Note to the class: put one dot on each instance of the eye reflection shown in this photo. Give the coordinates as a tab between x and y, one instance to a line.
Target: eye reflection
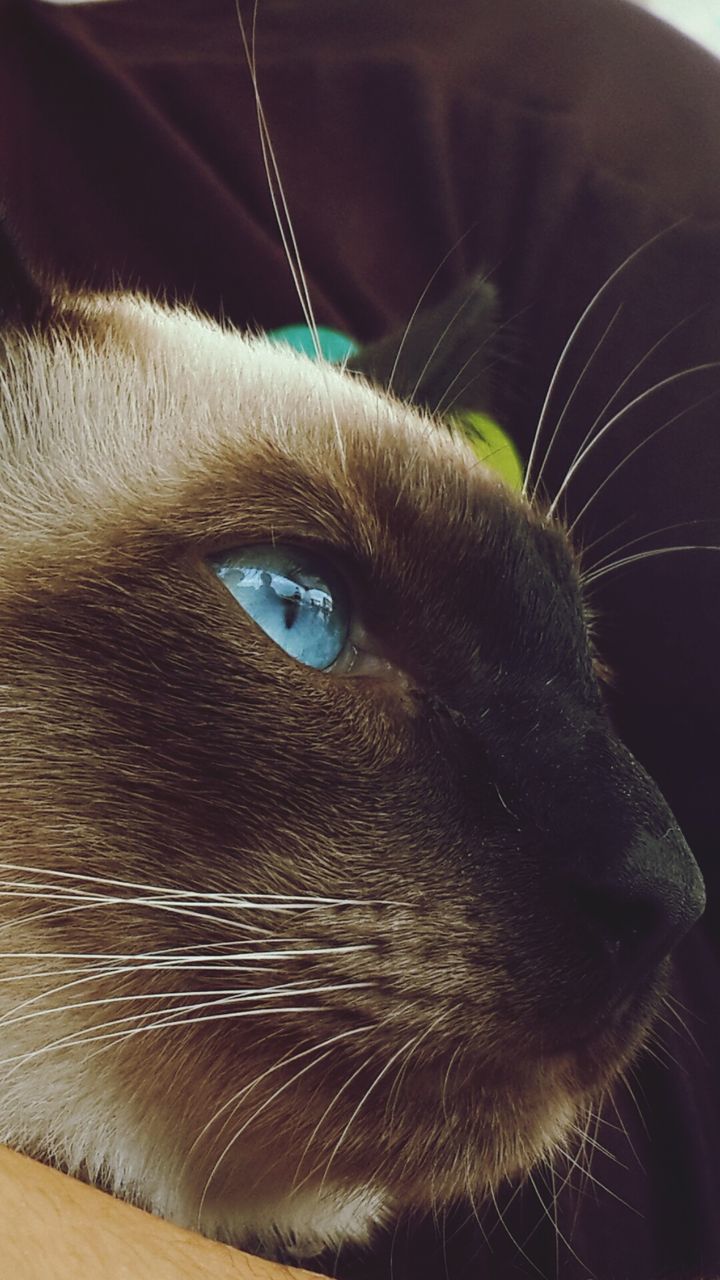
289	595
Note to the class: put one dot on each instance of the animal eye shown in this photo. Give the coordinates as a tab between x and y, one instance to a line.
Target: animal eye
293	595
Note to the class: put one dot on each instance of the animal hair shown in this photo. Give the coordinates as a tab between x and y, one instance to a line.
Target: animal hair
284	951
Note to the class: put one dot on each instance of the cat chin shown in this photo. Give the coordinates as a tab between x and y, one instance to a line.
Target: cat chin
290	1228
135	1159
305	1225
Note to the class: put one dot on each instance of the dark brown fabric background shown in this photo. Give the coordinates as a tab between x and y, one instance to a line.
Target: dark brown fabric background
544	140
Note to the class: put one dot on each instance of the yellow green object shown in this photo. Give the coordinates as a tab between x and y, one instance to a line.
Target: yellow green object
493	446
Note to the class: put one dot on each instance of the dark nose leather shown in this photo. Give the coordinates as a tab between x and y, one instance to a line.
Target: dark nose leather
618	875
640	903
613	850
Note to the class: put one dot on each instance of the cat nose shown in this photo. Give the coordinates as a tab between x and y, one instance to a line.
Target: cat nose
641	903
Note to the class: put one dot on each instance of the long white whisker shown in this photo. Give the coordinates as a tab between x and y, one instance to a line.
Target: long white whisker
267	1103
628	378
410	1045
413	316
681	1022
297	1186
279	954
586	548
645	555
162	963
636	449
168	908
568	402
232	1103
633	542
639	399
274	182
438	343
551	1213
446	406
66	911
223	996
76	1039
99	974
559	367
624	1131
501	1219
167	891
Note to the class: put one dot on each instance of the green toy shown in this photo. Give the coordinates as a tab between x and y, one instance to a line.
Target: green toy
493	446
334	346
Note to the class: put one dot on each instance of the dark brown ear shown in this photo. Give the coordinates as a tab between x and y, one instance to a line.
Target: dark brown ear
23	301
441	360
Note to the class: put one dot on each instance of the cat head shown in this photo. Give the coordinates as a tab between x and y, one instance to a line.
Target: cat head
327	884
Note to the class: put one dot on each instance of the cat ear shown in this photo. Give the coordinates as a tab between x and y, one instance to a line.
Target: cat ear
23	301
442	358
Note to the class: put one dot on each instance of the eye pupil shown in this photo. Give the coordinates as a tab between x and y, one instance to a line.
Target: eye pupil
289	595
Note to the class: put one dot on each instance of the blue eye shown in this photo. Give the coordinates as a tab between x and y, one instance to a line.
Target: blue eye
288	593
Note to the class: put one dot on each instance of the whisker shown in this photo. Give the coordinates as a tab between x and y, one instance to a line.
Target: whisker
595	1145
674	1012
550	1212
631	454
444	406
99	974
297	1186
232	1103
566	407
172	1010
275	186
646	555
619	389
77	1039
623	1128
582	1161
617	417
587	547
161	961
613	1194
293	988
151	904
410	1046
664	1062
592	304
625	1082
94	902
643	537
169	891
284	219
513	1239
413	316
267	1103
438	343
286	954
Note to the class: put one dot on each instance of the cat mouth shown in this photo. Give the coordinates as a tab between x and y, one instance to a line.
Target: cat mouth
597	1051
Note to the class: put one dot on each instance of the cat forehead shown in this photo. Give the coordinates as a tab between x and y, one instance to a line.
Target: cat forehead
154	417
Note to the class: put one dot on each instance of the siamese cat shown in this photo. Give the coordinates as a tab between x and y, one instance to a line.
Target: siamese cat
327	888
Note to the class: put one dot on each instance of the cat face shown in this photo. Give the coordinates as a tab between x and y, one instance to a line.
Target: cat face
287	943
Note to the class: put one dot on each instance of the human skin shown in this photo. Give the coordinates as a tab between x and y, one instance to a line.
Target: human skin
54	1226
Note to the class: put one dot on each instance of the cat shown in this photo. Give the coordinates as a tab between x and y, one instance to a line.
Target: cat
328	889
